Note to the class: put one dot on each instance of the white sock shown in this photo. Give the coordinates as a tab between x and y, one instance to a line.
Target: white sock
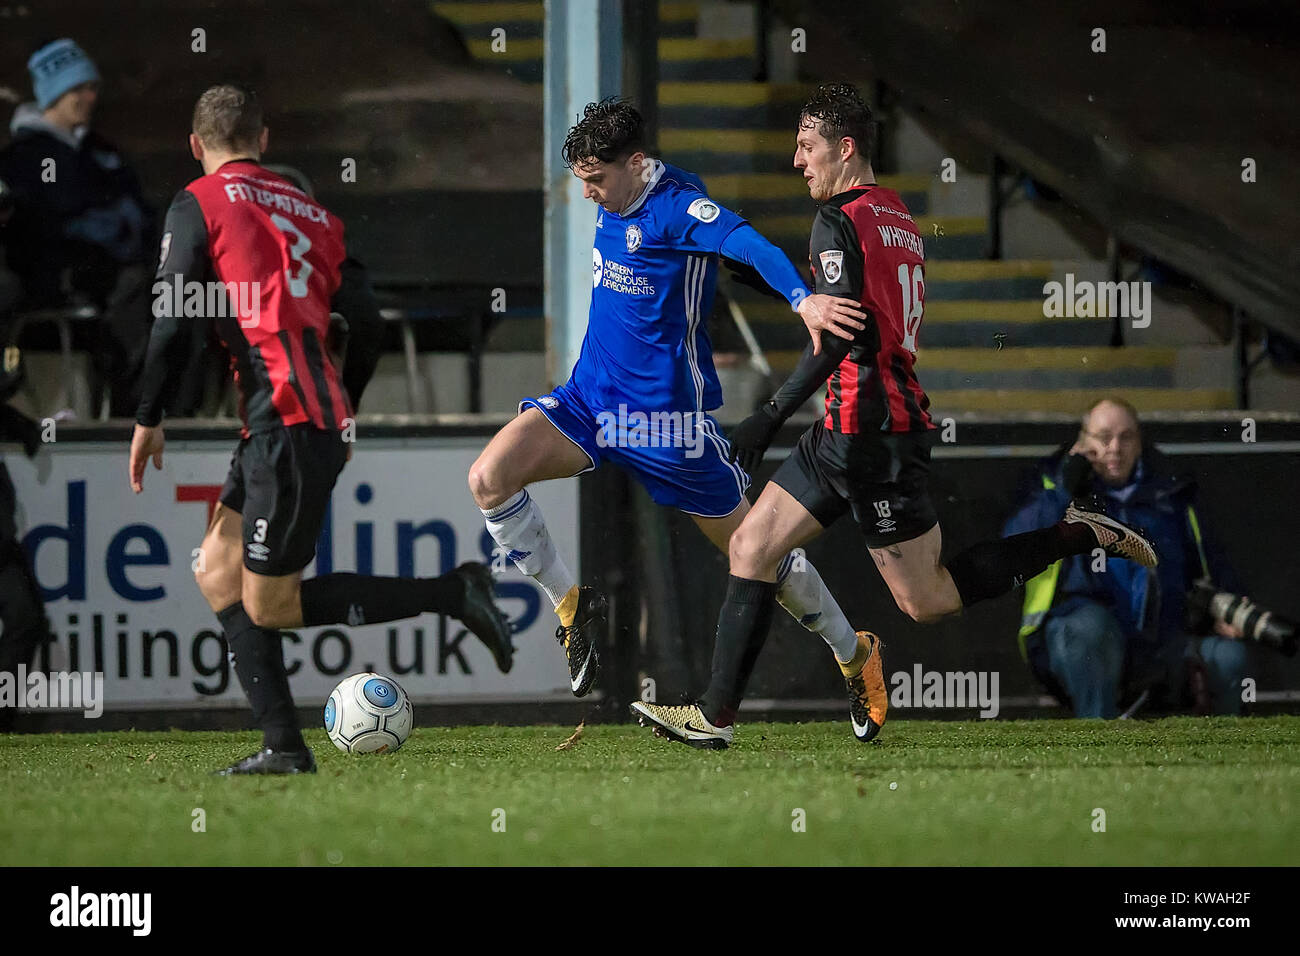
517	528
801	591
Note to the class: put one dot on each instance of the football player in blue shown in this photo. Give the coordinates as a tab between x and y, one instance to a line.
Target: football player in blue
644	383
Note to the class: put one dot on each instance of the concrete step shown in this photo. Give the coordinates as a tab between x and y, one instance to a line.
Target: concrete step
1074	401
734	103
780	200
938	232
777	143
987	279
681	58
491	14
1037	369
528	18
947	324
791	185
734	94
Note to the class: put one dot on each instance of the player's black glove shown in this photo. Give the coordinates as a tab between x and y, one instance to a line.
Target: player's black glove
745	274
1076	475
749	439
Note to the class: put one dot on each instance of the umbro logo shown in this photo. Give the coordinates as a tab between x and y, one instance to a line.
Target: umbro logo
356	616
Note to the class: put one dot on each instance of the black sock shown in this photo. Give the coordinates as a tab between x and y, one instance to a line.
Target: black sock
259	665
991	568
743	624
357	599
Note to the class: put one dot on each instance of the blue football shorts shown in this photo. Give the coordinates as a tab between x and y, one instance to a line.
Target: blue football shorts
680	458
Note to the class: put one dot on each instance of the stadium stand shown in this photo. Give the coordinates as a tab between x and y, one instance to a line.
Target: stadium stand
995	236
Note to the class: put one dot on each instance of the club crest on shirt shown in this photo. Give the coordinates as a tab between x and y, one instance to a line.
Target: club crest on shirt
633	237
832	265
165	248
705	210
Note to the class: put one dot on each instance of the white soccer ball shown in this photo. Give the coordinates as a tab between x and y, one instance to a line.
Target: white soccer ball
368	713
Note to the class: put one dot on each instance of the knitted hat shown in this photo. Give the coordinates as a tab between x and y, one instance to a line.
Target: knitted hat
58	67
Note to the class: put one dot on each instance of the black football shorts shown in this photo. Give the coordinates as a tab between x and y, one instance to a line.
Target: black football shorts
882	477
280	481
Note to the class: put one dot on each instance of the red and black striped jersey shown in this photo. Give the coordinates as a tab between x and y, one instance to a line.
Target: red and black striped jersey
865	246
277	256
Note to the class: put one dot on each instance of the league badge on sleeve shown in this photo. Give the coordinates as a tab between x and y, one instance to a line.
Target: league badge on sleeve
832	265
633	236
705	210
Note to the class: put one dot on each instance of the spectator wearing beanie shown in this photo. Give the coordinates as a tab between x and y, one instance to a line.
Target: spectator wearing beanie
80	223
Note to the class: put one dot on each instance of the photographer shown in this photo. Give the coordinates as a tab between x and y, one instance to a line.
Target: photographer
1103	634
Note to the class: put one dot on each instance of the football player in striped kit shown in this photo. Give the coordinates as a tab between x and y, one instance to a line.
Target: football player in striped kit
274	259
870	453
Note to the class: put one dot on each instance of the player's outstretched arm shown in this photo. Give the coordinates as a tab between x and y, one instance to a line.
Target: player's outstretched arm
837	270
751	438
838	315
746	245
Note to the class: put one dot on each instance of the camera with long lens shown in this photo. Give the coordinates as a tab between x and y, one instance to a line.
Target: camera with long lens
1207	604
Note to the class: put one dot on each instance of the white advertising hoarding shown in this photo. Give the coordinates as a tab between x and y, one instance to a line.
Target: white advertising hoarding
116	571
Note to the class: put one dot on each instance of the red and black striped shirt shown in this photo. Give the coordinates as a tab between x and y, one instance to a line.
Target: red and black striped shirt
277	256
865	246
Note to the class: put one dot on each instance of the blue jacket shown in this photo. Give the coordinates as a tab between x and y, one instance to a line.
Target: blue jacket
1151	608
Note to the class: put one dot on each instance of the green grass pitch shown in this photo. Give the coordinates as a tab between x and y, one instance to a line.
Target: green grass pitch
1181	791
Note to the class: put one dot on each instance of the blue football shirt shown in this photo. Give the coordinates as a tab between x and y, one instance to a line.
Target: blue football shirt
654	272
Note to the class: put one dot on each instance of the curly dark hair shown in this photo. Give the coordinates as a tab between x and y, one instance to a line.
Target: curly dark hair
608	130
837	111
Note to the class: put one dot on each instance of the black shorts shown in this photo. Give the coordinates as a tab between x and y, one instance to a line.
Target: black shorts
280	482
882	477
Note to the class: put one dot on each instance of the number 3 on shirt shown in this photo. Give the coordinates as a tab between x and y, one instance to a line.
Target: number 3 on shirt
913	283
298	249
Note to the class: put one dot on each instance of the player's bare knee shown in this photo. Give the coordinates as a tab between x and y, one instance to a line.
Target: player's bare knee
263	611
748	552
255	609
486	483
218	582
922	610
217	586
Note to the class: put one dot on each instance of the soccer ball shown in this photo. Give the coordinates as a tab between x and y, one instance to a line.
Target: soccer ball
368	713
